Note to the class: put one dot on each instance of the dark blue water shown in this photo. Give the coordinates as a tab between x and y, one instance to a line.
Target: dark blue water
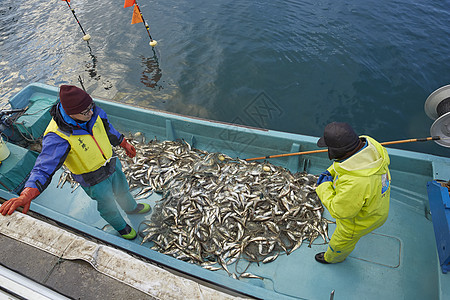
285	65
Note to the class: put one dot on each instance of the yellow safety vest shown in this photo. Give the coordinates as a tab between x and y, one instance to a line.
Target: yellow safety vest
87	152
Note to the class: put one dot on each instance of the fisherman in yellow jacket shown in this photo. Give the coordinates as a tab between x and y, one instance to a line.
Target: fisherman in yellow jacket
355	188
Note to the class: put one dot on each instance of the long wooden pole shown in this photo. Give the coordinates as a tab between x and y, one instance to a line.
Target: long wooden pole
431	138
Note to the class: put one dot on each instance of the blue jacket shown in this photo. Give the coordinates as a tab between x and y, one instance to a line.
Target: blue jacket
55	150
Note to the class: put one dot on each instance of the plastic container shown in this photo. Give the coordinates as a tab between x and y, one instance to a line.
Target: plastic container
4	151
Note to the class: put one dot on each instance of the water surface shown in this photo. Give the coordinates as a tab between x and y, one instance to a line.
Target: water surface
285	65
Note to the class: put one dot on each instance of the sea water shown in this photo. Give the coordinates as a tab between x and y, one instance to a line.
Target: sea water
284	65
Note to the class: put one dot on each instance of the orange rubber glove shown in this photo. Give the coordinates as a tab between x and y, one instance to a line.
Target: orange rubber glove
24	200
129	149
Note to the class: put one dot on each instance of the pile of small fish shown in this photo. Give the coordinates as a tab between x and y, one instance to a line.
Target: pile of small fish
217	210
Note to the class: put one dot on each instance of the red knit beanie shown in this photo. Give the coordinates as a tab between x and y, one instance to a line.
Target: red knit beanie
74	100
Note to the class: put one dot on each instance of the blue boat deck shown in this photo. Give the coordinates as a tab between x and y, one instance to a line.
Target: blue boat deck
397	261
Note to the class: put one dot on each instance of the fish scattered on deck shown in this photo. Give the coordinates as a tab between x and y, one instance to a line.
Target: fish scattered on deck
216	211
66	176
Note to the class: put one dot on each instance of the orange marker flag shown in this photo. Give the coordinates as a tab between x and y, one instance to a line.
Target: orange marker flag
66	0
128	3
137	18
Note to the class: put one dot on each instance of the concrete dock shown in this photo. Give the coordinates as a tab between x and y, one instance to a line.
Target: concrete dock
74	266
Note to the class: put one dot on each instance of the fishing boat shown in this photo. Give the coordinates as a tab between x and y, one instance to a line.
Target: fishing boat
406	258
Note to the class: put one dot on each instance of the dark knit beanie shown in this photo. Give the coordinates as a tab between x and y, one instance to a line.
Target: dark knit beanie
340	138
73	99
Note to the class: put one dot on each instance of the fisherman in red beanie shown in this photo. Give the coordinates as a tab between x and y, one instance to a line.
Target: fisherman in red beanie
81	137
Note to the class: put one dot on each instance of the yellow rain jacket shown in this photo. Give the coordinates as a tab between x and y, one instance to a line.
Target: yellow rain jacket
358	197
88	152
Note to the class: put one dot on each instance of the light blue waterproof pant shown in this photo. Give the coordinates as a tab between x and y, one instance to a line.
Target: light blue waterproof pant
106	193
